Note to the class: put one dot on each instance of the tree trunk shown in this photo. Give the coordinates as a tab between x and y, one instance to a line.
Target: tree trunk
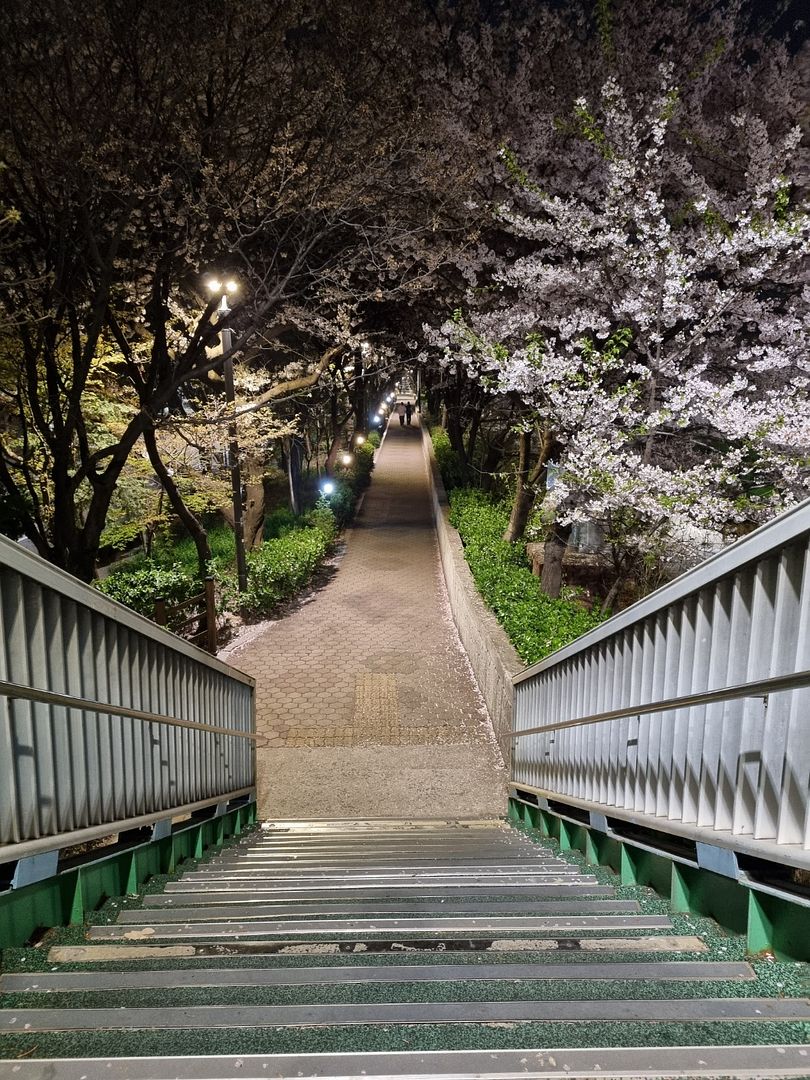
295	453
491	461
553	555
359	397
253	514
190	520
523	499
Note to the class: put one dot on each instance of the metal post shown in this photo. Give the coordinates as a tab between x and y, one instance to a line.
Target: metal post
210	616
226	337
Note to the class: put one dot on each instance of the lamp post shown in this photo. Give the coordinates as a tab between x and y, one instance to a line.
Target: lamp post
226	341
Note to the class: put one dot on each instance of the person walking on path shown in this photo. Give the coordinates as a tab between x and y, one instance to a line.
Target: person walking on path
408	412
401	414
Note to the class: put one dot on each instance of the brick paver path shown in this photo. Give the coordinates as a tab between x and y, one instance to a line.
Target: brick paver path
364	692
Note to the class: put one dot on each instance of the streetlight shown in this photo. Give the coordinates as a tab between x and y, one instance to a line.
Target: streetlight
359	439
226	342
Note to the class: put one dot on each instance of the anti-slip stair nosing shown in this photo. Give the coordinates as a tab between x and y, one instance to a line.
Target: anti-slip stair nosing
178	913
466	870
629	1063
404	944
358	927
243	894
49	982
644	1010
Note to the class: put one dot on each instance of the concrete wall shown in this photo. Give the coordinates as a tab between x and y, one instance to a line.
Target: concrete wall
494	661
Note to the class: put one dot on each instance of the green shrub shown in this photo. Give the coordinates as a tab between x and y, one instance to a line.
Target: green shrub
373	440
172	551
447	459
360	473
278	522
140	586
536	624
280	567
323	519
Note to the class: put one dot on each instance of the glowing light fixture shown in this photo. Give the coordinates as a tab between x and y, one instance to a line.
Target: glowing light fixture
327	487
347	460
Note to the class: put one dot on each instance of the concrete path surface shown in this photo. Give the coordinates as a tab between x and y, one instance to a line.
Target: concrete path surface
364	691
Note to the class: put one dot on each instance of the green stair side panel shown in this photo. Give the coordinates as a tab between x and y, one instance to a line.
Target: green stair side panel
770	923
64	899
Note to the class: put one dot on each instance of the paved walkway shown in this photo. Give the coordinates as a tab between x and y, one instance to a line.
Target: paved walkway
364	692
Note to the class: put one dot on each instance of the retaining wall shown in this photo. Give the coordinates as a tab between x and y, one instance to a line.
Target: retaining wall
494	660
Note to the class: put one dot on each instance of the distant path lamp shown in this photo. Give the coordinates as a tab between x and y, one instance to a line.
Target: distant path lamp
225	288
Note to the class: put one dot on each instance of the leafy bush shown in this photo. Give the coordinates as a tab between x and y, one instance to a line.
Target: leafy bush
280	567
170	551
536	624
447	459
140	586
373	440
323	519
278	522
360	472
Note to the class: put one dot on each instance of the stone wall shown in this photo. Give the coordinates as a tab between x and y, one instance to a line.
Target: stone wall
494	661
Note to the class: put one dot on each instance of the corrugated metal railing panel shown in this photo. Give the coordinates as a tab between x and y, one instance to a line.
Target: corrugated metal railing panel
64	769
734	768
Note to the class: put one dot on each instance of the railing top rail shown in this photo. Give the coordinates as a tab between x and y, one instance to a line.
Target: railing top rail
761	688
45	573
783	530
18	692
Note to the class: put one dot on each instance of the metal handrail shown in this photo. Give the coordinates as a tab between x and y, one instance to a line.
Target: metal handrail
759	688
49	697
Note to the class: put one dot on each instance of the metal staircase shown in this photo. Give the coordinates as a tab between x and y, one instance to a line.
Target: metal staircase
396	949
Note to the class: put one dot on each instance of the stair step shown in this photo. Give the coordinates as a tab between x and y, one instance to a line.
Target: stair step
382	926
178	913
239	890
48	982
252	860
629	1063
83	954
634	1010
322	826
392	873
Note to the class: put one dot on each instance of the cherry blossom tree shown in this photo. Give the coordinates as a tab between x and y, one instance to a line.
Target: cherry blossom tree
645	302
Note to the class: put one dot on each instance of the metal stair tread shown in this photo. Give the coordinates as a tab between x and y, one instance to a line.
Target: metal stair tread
402	945
380	926
50	982
220	910
745	1062
635	1010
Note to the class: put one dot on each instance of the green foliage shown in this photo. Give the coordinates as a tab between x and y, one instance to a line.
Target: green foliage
169	550
447	459
373	440
278	522
363	463
604	26
281	567
140	585
341	502
323	519
536	624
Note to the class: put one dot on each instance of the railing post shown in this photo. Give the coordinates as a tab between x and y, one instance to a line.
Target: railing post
210	616
160	611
